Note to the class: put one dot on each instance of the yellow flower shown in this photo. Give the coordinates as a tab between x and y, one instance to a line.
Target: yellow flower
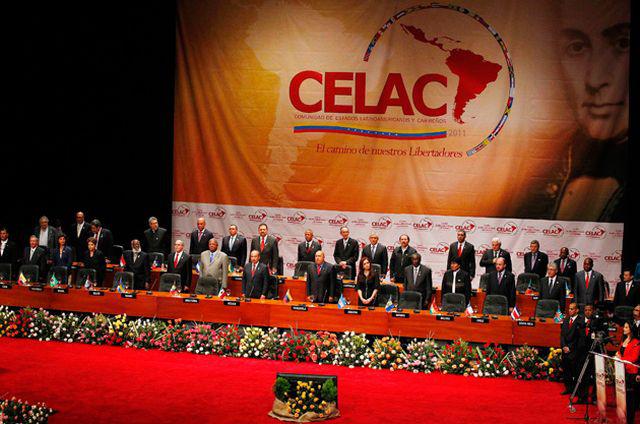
550	370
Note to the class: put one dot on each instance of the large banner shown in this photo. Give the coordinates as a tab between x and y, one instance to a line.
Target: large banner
492	112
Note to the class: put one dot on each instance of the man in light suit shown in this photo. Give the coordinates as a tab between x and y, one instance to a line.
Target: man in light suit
345	252
465	251
180	263
267	245
417	277
308	248
235	245
535	261
320	280
137	261
214	264
567	267
456	280
553	286
489	258
627	291
589	285
47	235
78	234
377	254
255	278
199	239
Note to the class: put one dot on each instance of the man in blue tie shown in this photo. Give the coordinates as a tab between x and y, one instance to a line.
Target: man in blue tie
214	264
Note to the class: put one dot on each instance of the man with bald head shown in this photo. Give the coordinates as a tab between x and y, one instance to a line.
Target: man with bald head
78	234
200	238
137	261
553	286
180	263
566	266
589	285
321	285
214	264
490	256
502	282
308	248
235	245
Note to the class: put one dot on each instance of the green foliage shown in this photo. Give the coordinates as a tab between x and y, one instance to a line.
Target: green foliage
329	391
281	388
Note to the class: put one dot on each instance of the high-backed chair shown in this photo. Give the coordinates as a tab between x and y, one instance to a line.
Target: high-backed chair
168	280
528	280
386	292
156	259
547	308
484	281
454	302
495	304
126	277
5	272
410	300
30	272
623	313
83	274
302	268
207	285
61	273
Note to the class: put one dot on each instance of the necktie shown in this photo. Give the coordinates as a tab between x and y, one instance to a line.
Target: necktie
562	265
628	287
253	269
500	278
31	254
176	259
552	283
345	244
373	251
231	240
211	256
199	235
79	230
135	256
459	249
570	322
415	275
261	244
495	253
97	239
453	283
586	280
533	261
308	247
319	269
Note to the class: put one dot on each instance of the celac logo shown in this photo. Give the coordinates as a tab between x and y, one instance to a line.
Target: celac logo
218	213
597	232
382	223
258	216
574	253
182	210
425	224
441	248
507	228
554	230
521	253
297	218
615	256
468	226
482	249
339	220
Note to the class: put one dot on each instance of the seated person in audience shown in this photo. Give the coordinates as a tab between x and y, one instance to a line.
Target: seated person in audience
35	255
47	235
321	284
417	278
63	254
345	253
8	252
180	263
535	261
503	282
308	248
156	238
235	245
103	239
489	258
377	253
456	280
200	238
627	291
589	284
137	261
214	264
400	259
255	277
567	267
94	259
367	283
552	287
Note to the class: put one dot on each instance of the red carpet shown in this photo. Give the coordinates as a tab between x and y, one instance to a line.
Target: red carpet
102	384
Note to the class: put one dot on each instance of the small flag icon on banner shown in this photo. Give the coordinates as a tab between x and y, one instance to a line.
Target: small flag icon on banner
22	280
469	311
342	302
389	306
433	309
287	297
515	314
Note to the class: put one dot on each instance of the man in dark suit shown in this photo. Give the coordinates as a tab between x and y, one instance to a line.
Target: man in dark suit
137	261
235	245
345	253
267	245
627	291
180	263
255	278
567	267
104	239
47	235
417	277
503	282
78	234
156	239
321	287
400	259
636	320
553	286
589	284
308	248
36	255
8	253
456	280
377	254
489	258
200	238
535	261
572	342
465	251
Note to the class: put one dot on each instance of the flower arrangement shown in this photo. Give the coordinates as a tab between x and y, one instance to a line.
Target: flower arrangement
307	401
201	339
67	327
252	343
296	346
94	329
7	318
324	347
490	361
456	358
176	337
552	366
523	363
118	330
420	356
42	325
226	341
353	350
386	353
145	333
272	342
19	327
16	411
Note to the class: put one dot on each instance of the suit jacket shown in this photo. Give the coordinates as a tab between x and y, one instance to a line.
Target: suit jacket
468	257
573	337
105	243
52	239
10	256
381	257
348	254
96	262
39	258
269	256
636	329
487	260
621	298
157	241
310	254
78	244
255	285
218	270
399	261
64	259
183	268
140	268
557	291
507	286
367	286
321	286
570	269
540	267
594	294
423	284
239	250
463	283
197	247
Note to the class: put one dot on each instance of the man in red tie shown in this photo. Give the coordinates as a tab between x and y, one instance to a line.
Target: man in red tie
255	278
200	238
572	342
308	248
465	251
567	267
320	280
589	284
180	263
267	245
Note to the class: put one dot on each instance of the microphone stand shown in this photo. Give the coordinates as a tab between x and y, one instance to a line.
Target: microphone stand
596	343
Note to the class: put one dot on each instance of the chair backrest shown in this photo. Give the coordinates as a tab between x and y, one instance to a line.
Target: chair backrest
280	267
410	300
168	279
387	291
623	313
31	272
495	304
83	273
344	274
547	308
5	272
454	302
377	268
233	262
272	292
156	259
484	281
116	252
194	260
302	268
61	273
207	285
528	280
125	276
